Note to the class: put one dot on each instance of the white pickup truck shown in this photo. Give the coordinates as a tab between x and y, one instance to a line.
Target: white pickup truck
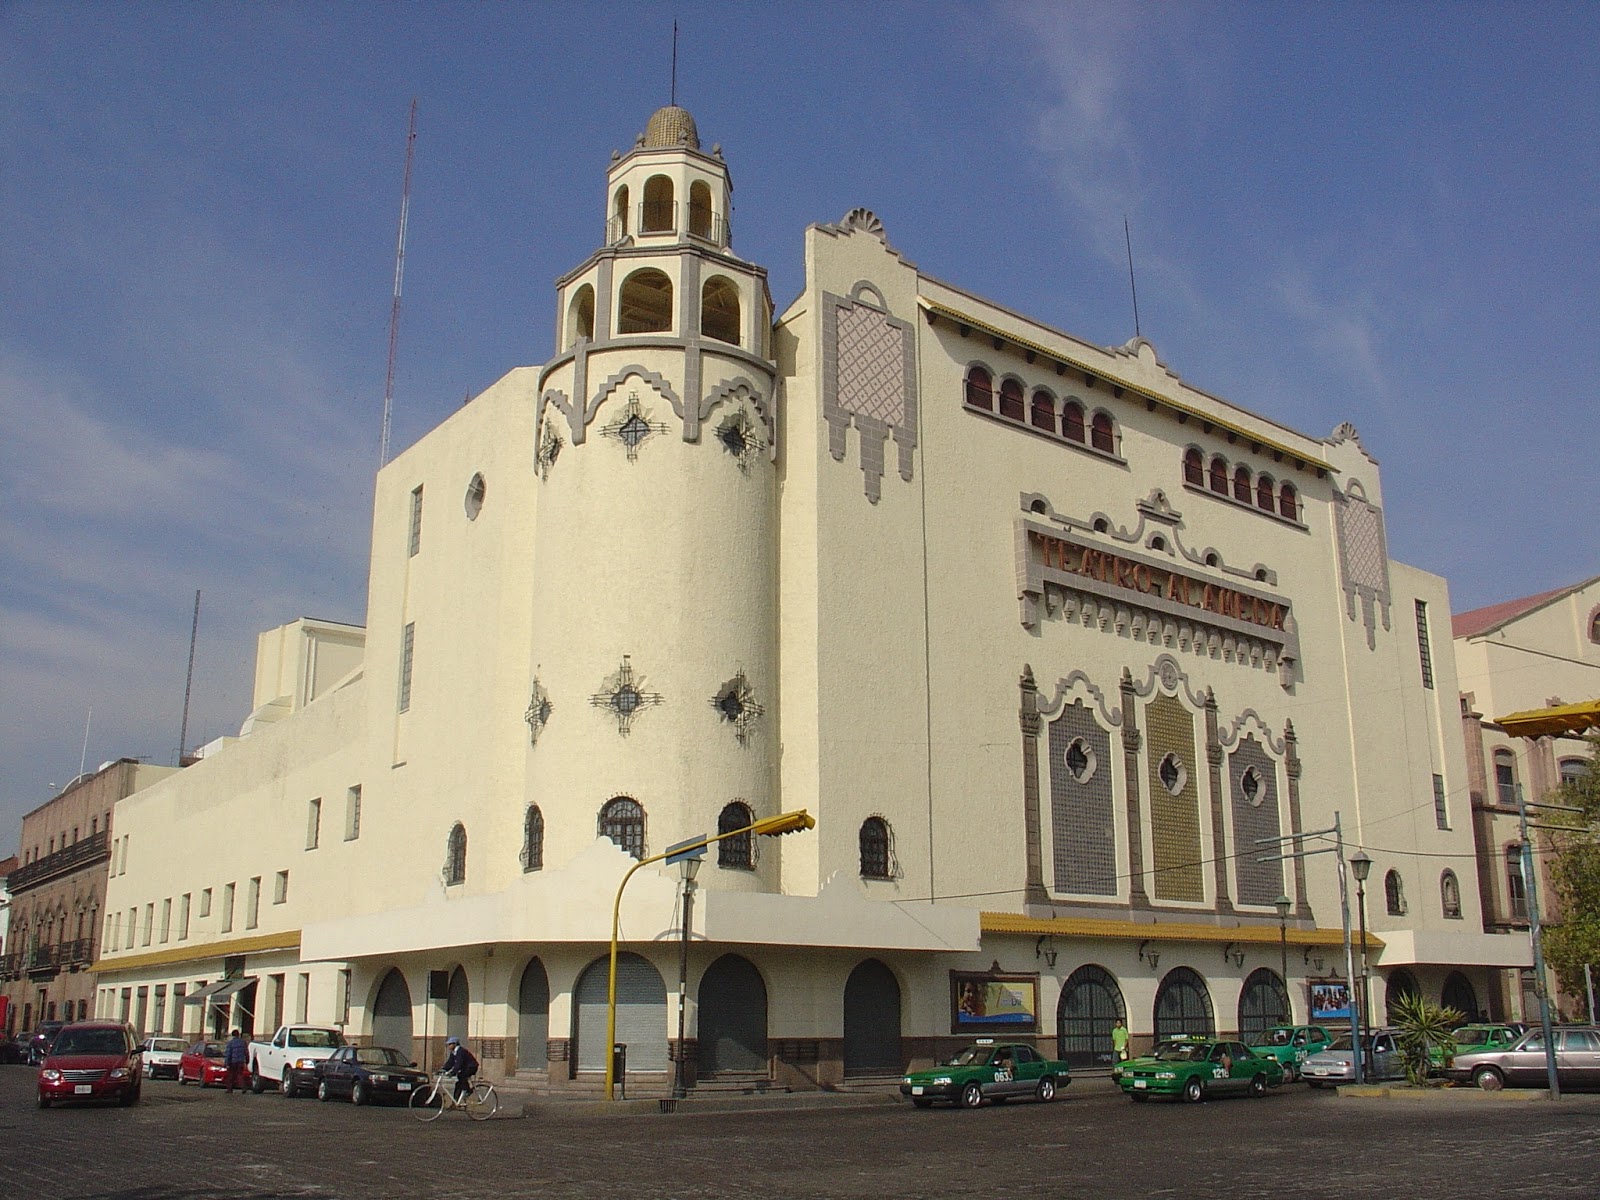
290	1058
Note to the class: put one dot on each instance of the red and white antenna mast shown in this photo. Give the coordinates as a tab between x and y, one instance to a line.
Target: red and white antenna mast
399	279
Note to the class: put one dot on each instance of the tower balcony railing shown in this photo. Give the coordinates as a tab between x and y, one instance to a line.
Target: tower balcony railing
661	217
707	228
658	216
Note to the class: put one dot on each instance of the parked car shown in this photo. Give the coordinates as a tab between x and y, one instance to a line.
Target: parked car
91	1060
1197	1067
39	1041
202	1063
289	1061
368	1073
1524	1064
987	1070
1290	1045
1335	1065
14	1049
1472	1038
161	1056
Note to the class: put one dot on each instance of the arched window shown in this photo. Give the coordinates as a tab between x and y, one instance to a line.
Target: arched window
1219	475
1516	884
875	857
737	852
1011	399
1183	1006
1401	983
1241	484
619	212
1103	435
645	304
580	317
1459	994
1288	502
532	839
1194	467
1264	493
1090	1006
1072	421
622	820
1572	769
699	209
980	389
719	309
1505	778
1394	893
1450	895
1594	627
1263	1003
658	215
1044	410
455	857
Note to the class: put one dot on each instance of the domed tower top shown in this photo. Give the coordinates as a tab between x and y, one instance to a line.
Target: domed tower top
669	128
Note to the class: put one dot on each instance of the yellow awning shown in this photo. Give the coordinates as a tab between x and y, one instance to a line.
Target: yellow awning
1165	931
199	951
1548	722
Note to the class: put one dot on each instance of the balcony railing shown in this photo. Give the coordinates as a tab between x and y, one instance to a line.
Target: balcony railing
661	216
81	853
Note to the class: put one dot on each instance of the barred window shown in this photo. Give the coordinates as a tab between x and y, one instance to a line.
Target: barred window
1441	812
875	849
1394	892
416	520
533	839
455	858
1422	645
737	852
622	820
408	647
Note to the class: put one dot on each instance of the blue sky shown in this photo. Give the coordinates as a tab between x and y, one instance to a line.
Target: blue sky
1386	214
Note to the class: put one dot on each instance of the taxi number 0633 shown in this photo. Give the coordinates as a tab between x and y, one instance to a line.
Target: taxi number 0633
1003	1075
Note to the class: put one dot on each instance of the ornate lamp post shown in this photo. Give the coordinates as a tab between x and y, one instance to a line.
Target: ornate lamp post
1361	867
1283	905
690	868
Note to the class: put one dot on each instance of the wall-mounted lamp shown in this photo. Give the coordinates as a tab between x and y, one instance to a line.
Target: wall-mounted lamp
1045	948
1232	955
1150	956
1317	961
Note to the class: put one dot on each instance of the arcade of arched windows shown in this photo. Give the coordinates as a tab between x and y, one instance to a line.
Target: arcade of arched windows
1062	418
1235	481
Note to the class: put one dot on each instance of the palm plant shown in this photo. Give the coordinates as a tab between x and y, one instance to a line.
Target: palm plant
1423	1025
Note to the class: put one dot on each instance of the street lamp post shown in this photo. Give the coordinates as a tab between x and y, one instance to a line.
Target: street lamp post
690	867
1283	904
789	822
1361	867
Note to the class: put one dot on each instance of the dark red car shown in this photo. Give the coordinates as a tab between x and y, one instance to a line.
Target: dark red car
92	1060
202	1063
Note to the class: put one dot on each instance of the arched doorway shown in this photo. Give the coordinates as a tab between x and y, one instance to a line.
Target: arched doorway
1401	983
1183	1006
533	1017
391	1014
455	1006
1263	1003
641	1014
1091	1005
872	1021
733	1017
1460	995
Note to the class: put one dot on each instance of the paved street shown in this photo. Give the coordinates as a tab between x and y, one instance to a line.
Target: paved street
183	1143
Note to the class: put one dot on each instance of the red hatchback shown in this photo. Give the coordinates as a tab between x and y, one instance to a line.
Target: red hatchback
91	1060
202	1063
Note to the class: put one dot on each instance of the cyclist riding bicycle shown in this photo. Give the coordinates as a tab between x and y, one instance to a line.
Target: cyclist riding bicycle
462	1065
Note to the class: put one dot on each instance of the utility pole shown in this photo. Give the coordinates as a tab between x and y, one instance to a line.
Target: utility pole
1530	879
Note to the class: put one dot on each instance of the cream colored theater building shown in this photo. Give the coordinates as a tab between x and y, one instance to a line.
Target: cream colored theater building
1050	642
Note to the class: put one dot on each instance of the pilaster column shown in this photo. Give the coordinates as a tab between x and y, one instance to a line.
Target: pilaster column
1028	716
1219	846
1131	744
1291	768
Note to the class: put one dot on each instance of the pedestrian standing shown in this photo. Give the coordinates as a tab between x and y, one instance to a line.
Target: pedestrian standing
1119	1040
234	1056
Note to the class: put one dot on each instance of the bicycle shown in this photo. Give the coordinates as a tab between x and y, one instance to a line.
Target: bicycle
429	1103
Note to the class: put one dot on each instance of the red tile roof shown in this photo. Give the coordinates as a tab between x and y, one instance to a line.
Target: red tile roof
1482	620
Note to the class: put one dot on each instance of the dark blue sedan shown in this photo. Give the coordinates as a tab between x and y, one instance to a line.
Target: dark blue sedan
367	1074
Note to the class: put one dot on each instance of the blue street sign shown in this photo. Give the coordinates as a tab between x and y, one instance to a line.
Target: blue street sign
694	847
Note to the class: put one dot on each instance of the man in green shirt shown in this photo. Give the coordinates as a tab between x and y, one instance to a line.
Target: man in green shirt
1119	1040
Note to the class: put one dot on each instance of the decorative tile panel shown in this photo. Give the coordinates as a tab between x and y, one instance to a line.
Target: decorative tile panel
1082	821
1253	798
869	381
1177	867
1363	557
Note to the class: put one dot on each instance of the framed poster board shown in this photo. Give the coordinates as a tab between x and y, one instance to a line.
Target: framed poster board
1329	1001
993	1002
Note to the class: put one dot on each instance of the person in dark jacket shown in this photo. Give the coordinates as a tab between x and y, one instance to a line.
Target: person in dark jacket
462	1065
234	1056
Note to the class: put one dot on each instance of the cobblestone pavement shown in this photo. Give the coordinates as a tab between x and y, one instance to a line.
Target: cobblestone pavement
184	1144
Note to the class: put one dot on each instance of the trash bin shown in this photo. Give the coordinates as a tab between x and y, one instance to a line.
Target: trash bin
619	1068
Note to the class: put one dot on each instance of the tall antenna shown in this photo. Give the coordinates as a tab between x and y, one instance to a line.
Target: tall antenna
1132	287
188	682
399	278
674	96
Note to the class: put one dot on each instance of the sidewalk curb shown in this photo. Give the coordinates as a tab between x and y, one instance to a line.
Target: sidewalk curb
707	1105
1447	1094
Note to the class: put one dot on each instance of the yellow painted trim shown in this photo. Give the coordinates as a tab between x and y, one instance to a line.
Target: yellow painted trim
1164	931
1222	423
195	952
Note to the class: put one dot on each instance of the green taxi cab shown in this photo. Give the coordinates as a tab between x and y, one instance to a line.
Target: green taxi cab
987	1070
1471	1039
1289	1045
1197	1067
